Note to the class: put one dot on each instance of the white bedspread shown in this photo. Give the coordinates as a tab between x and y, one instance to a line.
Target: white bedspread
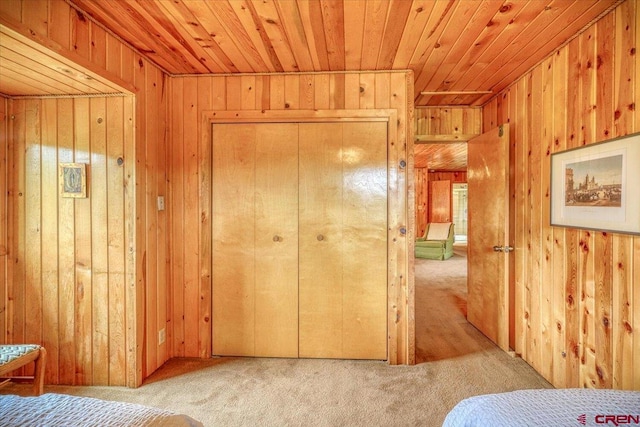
562	407
58	410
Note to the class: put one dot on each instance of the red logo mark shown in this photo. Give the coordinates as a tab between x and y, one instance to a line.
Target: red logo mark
618	420
582	419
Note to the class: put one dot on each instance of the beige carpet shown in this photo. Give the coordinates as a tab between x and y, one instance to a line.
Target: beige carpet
455	361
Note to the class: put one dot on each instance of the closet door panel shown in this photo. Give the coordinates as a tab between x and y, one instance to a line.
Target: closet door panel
321	260
276	225
364	224
233	218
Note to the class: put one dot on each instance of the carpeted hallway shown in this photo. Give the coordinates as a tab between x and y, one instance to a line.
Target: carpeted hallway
454	361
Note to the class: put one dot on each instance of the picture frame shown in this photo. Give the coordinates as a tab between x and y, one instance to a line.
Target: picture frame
595	187
72	178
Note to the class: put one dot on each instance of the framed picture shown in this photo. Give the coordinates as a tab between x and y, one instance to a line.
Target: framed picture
596	187
73	180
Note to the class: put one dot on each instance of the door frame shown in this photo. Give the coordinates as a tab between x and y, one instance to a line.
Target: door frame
400	215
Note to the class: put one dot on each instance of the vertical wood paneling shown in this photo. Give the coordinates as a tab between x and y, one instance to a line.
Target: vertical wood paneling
4	144
449	121
190	154
33	254
421	181
559	236
580	310
66	247
83	268
176	332
192	219
75	254
93	259
115	238
99	245
624	92
205	103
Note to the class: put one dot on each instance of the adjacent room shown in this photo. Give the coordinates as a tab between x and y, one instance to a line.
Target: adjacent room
319	212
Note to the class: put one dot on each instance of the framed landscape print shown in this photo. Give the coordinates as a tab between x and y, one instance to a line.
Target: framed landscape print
597	186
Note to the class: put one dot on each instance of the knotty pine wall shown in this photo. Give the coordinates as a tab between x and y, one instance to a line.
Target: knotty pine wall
190	164
577	294
136	261
4	137
448	121
69	256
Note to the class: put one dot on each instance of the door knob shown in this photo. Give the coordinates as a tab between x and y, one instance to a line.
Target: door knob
320	237
277	238
505	249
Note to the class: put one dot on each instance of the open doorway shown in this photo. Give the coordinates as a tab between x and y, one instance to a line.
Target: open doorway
460	211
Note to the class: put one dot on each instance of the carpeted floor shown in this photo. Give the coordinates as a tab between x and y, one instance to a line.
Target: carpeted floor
454	361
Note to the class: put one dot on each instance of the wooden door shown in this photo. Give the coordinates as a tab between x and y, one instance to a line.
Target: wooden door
440	201
488	234
276	234
343	240
255	245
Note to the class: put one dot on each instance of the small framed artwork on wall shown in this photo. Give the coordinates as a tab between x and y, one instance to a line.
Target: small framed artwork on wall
73	180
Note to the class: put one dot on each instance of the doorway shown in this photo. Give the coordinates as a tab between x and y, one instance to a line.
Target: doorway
460	211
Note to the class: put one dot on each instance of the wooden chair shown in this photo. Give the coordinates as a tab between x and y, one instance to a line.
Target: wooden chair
13	357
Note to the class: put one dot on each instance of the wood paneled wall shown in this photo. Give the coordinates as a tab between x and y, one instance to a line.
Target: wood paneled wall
191	98
140	301
70	266
448	121
577	296
4	140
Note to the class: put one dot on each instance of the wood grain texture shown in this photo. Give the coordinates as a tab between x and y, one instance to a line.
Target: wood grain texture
4	214
447	124
99	262
578	317
274	90
497	43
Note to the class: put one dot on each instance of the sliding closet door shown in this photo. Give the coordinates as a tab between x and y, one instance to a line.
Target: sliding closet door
343	240
255	248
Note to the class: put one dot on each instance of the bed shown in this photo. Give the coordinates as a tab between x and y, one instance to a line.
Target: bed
549	407
58	410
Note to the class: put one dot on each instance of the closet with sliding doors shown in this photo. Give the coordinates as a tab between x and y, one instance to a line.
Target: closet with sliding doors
299	246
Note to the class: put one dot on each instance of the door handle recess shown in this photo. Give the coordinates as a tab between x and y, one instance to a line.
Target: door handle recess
320	237
277	238
505	249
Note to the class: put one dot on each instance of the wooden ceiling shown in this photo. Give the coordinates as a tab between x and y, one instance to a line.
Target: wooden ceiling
451	45
441	157
29	69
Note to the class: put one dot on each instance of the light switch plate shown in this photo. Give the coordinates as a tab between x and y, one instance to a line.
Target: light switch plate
160	203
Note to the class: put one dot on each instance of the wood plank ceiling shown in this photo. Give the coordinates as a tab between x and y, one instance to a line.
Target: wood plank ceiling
28	69
441	157
451	45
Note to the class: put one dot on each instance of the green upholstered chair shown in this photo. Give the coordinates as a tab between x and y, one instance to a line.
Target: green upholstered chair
437	241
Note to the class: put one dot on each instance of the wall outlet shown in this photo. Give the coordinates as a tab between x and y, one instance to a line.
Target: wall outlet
162	335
